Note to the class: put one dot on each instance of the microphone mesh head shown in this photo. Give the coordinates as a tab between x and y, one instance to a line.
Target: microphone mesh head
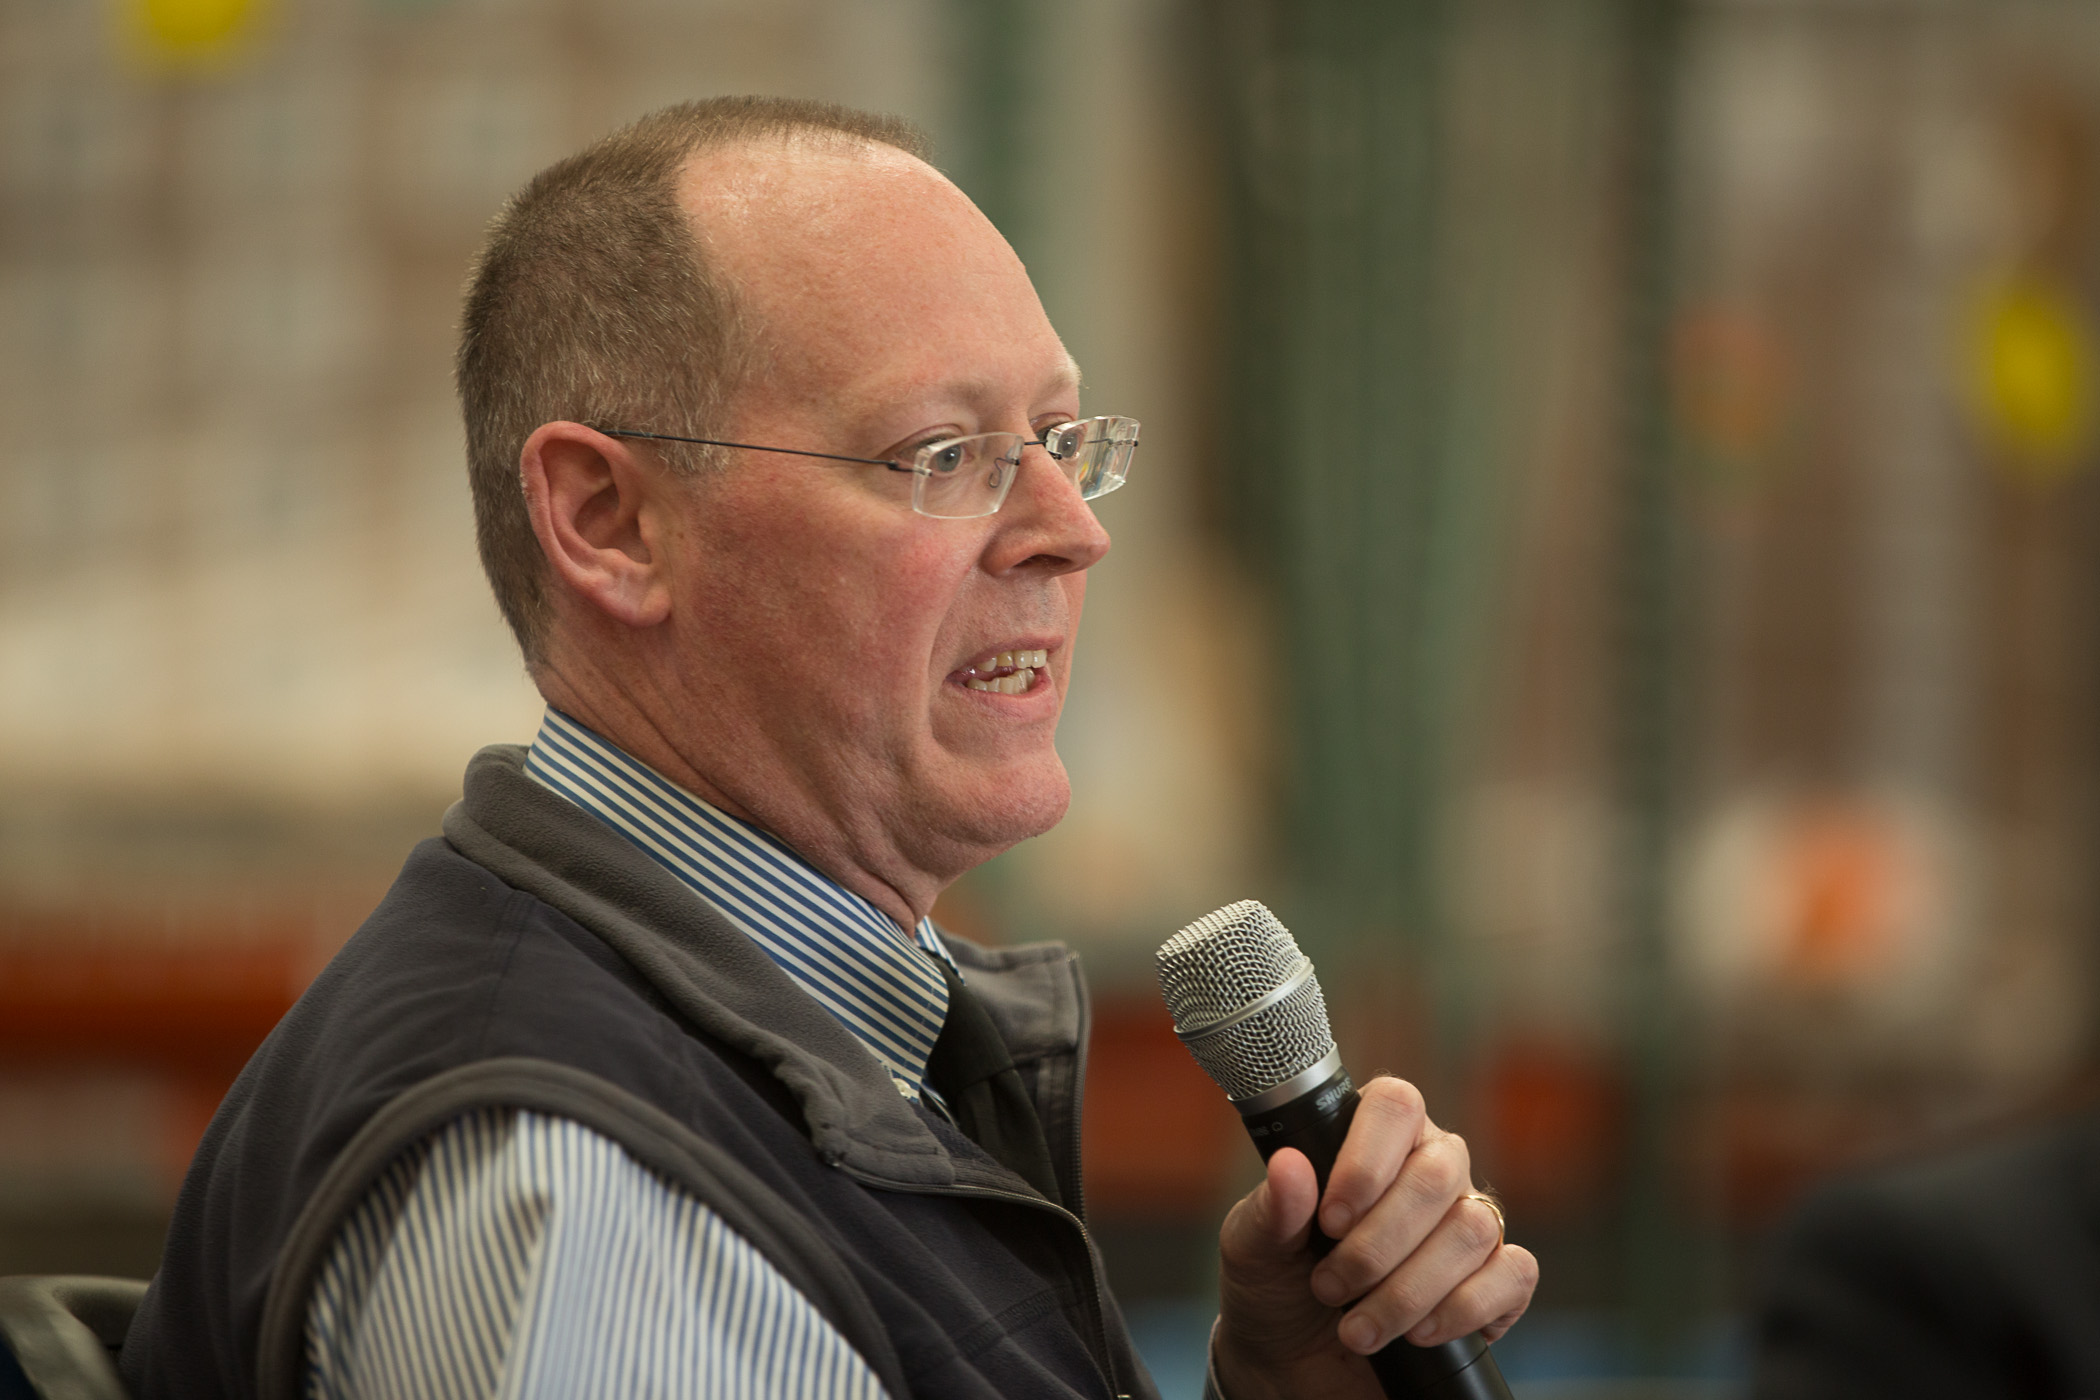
1231	959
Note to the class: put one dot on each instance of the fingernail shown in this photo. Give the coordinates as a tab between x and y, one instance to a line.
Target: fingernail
1335	1220
1424	1333
1359	1334
1326	1287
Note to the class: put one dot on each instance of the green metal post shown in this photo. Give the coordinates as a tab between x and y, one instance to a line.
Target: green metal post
1650	665
993	44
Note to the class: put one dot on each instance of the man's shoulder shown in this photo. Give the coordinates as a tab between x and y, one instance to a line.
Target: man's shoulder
452	967
455	964
1972	1264
449	922
2014	1189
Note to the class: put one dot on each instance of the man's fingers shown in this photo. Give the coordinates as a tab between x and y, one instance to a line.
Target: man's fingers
1490	1301
1390	1119
1452	1277
1427	1193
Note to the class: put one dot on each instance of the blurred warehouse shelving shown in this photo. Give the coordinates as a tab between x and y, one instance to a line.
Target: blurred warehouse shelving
1668	429
1613	563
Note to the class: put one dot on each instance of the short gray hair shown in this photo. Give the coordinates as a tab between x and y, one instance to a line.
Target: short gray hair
592	301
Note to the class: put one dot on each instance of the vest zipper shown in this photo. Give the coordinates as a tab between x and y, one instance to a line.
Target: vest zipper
1096	1286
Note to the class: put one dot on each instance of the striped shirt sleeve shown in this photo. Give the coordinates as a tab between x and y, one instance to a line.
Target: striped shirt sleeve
512	1254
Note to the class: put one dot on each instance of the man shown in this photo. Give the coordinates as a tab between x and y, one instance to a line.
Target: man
1971	1275
653	1077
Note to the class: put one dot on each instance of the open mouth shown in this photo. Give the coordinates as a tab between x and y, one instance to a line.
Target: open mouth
1006	672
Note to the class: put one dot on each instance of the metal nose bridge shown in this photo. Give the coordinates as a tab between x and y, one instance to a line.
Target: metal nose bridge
1066	468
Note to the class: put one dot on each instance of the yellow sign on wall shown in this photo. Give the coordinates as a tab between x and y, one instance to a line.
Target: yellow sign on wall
2032	362
192	35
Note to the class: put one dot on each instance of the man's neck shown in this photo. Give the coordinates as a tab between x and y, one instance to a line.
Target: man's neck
613	713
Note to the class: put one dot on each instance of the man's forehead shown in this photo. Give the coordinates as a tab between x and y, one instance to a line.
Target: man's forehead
812	204
864	266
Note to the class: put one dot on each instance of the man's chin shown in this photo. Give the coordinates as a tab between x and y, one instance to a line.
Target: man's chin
1024	800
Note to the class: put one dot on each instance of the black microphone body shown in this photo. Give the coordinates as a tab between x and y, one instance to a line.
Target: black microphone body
1316	1122
1246	1004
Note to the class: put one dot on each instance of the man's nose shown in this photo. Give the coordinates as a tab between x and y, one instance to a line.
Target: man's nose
1044	522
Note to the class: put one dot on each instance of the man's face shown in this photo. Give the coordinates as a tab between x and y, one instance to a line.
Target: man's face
825	633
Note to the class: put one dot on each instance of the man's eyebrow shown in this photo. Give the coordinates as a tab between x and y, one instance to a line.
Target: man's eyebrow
979	390
1067	376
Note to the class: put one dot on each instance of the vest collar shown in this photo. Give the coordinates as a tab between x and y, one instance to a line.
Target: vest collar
722	982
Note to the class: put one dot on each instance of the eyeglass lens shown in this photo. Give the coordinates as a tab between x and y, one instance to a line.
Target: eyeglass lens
968	477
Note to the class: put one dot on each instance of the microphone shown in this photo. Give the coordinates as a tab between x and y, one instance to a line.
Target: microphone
1247	1005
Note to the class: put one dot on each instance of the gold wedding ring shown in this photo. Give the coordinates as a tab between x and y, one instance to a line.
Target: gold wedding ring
1501	1221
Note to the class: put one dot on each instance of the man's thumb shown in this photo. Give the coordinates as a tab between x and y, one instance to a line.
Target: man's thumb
1280	1210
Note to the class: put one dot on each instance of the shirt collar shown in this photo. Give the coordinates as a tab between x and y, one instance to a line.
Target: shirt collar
882	985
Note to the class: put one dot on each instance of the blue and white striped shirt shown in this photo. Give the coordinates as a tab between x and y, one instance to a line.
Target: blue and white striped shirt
514	1254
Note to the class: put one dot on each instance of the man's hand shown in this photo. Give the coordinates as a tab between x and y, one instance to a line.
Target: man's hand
1416	1258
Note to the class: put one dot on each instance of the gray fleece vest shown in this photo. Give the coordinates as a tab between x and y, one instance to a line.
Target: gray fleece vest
535	959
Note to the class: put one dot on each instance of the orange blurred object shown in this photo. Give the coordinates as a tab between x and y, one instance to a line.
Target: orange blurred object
186	1004
1553	1124
1730	377
1845	865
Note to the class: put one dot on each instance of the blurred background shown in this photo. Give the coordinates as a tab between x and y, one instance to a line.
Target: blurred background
1613	564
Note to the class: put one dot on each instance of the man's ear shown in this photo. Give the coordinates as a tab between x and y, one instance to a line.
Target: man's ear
597	510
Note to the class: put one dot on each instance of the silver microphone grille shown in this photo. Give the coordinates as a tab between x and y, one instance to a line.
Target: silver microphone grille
1226	962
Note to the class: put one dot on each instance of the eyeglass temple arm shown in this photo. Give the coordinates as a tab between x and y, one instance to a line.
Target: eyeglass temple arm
889	462
892	463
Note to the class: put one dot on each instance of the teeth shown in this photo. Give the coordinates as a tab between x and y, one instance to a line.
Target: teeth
1029	659
1018	683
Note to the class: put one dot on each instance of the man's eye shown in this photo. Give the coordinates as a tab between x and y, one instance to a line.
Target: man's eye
948	459
1059	436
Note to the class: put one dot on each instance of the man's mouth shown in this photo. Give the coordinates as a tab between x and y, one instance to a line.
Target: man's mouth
1006	672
